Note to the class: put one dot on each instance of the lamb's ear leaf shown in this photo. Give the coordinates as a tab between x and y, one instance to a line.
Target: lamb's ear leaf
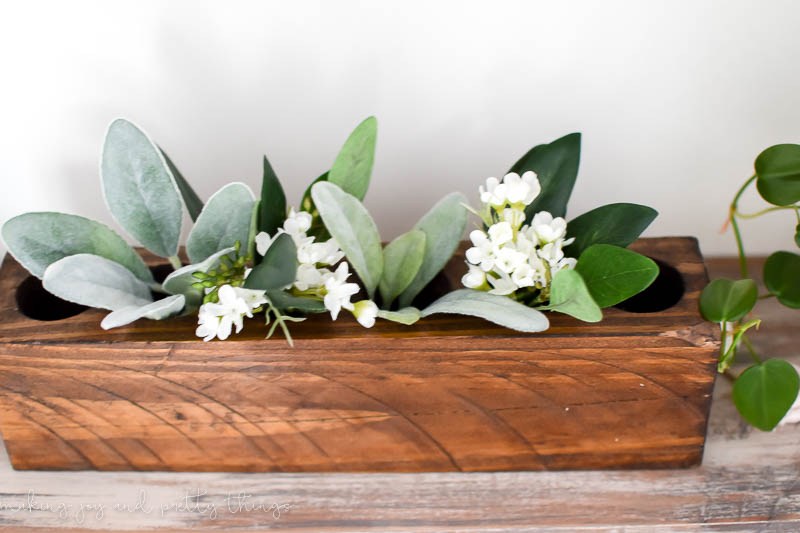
613	274
406	316
501	310
570	295
443	226
273	201
402	259
95	281
193	203
37	240
159	310
140	190
617	224
556	165
181	280
353	166
225	219
349	222
278	268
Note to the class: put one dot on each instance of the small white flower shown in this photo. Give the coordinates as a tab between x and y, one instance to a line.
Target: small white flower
547	228
507	259
365	312
501	233
502	285
523	276
475	278
326	253
482	253
494	193
218	319
310	277
297	223
338	291
521	190
514	216
263	242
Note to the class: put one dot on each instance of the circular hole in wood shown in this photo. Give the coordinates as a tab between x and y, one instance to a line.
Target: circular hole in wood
666	291
35	302
160	272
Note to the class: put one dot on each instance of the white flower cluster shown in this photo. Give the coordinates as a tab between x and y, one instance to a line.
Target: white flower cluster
314	275
512	255
217	319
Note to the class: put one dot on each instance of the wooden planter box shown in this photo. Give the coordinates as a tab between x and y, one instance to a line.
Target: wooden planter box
452	393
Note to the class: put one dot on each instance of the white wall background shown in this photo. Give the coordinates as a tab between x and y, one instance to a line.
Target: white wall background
674	98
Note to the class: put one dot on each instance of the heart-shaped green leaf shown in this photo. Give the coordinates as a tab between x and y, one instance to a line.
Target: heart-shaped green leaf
501	310
614	274
193	203
273	201
556	165
406	316
570	295
353	166
140	190
765	392
225	219
164	308
778	171
351	225
401	261
725	300
782	278
37	240
95	281
278	268
443	226
617	224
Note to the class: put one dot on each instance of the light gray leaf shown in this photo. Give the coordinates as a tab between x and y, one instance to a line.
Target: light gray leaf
351	225
140	190
443	226
95	281
406	316
224	220
501	310
37	240
165	308
401	261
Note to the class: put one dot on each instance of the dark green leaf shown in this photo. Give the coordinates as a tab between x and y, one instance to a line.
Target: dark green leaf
725	300
193	203
570	295
765	392
782	278
353	166
614	274
797	235
288	302
778	171
278	269
317	229
556	165
617	224
273	201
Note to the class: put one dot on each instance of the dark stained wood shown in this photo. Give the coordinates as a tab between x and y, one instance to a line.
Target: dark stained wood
449	394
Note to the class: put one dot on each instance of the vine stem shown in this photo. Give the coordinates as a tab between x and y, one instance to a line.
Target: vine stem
751	349
765	211
735	225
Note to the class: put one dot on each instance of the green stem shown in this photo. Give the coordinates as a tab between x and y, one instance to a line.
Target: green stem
765	211
735	225
175	261
766	296
751	349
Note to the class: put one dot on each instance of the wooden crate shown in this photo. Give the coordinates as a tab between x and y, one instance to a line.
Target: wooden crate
449	394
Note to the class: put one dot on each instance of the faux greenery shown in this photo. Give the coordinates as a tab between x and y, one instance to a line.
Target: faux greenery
766	390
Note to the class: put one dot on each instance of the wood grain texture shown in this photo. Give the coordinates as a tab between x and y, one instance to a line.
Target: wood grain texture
452	394
749	482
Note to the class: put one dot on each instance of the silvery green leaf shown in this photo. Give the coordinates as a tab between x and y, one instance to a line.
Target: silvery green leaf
140	190
443	226
351	225
165	308
37	240
401	261
95	281
406	316
181	280
353	166
224	220
501	310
